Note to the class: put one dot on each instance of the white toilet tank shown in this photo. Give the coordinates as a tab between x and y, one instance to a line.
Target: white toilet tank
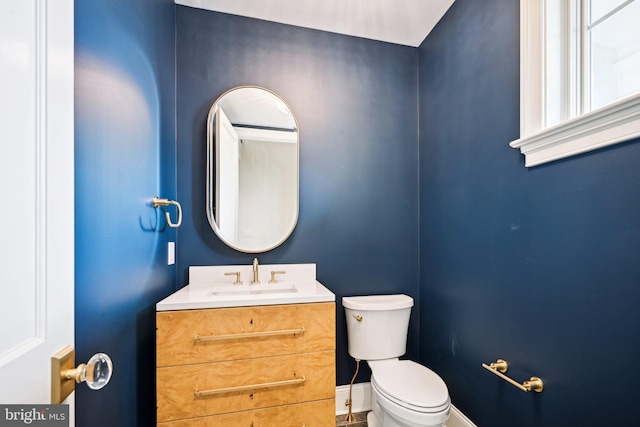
377	325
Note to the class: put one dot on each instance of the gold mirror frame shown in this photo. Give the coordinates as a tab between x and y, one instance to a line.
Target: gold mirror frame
252	204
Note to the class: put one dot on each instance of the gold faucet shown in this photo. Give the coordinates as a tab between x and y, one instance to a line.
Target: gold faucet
255	271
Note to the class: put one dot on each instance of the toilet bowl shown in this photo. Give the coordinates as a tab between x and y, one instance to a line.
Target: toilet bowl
404	393
408	394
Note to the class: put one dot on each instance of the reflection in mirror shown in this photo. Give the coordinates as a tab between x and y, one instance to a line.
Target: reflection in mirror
252	169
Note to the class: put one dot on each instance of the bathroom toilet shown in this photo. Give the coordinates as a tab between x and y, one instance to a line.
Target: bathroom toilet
404	393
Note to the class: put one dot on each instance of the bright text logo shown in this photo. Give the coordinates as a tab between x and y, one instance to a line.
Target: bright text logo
36	415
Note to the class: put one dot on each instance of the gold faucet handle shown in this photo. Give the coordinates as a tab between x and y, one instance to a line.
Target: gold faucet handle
273	276
237	274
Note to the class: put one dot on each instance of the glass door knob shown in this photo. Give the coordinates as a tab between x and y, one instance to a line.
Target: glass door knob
96	372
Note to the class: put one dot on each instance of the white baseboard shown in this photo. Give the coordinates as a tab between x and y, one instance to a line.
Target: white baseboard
458	419
361	398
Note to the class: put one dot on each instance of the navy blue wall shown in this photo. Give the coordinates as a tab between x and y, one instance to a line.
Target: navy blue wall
355	101
537	266
532	265
125	155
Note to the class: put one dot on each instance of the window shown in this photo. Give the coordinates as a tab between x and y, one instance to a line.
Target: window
580	76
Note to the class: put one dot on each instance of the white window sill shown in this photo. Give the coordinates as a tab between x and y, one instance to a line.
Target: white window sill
613	124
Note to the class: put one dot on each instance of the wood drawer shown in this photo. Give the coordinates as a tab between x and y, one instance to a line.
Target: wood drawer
319	413
230	329
177	385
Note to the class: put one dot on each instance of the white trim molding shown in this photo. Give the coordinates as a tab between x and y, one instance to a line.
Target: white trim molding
615	123
531	66
361	398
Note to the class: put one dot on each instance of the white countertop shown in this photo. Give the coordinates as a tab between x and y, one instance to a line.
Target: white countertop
210	288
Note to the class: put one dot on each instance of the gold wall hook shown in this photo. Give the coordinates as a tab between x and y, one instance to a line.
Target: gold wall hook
501	366
157	202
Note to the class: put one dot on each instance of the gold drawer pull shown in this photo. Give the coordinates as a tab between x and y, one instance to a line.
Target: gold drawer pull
198	338
204	393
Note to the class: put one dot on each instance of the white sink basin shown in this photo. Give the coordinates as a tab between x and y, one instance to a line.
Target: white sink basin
245	290
212	287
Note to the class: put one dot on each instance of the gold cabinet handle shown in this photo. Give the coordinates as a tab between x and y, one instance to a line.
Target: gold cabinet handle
204	393
198	338
501	366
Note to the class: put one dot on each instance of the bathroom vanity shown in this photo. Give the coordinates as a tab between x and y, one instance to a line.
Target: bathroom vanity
250	354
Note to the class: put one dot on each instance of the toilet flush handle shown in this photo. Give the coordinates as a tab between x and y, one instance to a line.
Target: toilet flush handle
358	317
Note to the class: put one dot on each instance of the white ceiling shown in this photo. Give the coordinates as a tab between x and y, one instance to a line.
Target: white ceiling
405	22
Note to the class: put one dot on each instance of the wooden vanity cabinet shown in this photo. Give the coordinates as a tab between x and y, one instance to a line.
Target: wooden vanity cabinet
247	366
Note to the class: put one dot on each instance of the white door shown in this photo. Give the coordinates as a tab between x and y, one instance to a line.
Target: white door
36	182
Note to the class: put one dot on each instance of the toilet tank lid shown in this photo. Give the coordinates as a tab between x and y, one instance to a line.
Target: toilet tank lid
378	302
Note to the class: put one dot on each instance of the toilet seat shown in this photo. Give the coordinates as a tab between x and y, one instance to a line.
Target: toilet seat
410	385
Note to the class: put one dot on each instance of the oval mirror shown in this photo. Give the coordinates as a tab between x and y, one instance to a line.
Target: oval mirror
252	169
